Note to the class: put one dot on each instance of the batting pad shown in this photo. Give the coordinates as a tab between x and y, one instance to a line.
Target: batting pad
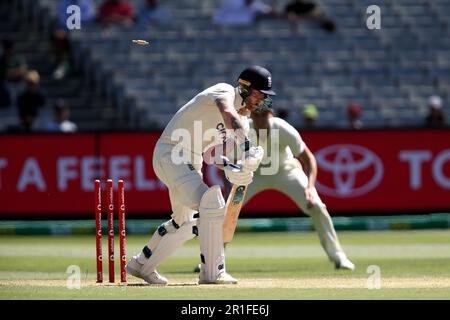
210	223
167	245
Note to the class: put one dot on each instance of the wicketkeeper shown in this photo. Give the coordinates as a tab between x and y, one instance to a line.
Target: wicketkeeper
215	115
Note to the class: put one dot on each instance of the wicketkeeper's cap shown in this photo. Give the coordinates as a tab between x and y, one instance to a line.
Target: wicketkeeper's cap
259	78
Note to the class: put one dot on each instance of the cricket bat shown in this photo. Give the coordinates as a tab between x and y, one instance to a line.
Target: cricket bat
236	199
234	204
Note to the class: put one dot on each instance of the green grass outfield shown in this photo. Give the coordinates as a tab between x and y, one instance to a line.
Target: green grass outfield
413	264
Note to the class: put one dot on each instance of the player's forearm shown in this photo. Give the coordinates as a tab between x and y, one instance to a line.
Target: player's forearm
309	166
232	120
213	156
312	173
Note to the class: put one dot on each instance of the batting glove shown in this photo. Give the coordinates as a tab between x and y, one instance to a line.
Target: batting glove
237	175
253	158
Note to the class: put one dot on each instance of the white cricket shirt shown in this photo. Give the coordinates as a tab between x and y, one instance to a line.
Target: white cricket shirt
282	150
199	125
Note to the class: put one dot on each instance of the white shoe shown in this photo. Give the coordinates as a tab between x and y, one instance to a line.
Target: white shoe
155	278
133	268
343	262
223	278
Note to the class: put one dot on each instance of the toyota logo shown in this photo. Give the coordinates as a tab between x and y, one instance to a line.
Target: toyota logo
351	170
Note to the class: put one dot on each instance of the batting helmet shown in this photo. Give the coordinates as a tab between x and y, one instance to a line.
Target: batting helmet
258	78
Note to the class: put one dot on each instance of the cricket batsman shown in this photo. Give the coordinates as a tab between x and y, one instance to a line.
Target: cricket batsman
293	179
214	116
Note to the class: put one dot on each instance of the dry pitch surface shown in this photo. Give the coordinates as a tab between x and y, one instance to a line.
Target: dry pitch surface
412	264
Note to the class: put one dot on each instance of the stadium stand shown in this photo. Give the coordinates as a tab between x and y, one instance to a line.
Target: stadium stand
390	72
29	26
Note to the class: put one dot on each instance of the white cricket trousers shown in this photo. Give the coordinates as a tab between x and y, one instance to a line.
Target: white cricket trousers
292	181
184	181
